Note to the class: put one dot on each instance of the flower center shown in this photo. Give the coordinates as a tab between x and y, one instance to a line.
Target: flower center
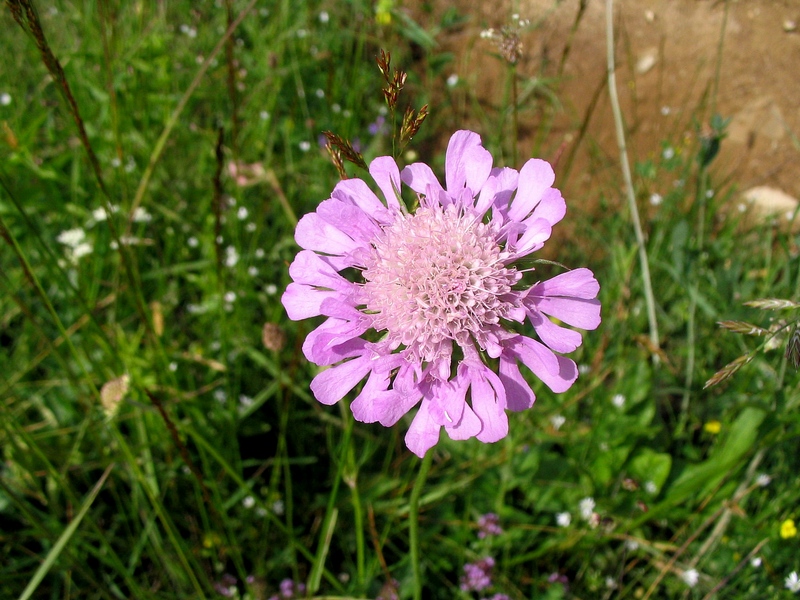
435	277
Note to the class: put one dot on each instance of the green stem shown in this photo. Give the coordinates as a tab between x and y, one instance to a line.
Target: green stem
413	522
626	173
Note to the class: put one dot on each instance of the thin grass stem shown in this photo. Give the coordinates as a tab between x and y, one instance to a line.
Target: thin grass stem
626	174
413	522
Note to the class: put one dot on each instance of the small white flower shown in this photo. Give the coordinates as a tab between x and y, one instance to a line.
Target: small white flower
230	297
586	507
324	17
793	582
231	256
301	33
650	487
452	80
557	421
245	401
249	502
336	108
251	227
220	395
277	507
140	215
271	289
563	519
259	253
5	99
690	577
665	110
264	115
656	199
618	400
755	562
763	480
252	271
320	93
584	369
611	583
631	545
668	153
193	242
242	213
709	193
305	145
116	162
173	366
81	250
72	237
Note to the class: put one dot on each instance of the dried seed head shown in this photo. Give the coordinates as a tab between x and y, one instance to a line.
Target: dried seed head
113	393
273	337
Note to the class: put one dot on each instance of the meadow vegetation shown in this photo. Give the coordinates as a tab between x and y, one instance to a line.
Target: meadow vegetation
159	439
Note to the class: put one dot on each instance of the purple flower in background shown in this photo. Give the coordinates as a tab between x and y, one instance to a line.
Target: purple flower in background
288	590
478	575
378	126
488	525
426	323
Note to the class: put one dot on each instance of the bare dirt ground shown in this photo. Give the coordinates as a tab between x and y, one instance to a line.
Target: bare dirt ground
667	59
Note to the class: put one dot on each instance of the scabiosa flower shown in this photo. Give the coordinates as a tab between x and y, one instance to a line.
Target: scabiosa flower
432	320
478	575
489	525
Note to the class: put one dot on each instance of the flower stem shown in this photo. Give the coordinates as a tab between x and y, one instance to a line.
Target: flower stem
626	173
413	522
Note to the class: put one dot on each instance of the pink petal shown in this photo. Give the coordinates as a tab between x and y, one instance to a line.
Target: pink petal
447	402
304	301
469	426
386	174
334	341
420	178
314	233
544	363
333	384
552	207
356	192
349	219
423	433
488	402
558	338
535	177
457	163
573	311
578	283
519	395
497	190
310	269
537	232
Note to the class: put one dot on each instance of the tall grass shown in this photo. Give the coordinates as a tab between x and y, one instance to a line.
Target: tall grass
216	473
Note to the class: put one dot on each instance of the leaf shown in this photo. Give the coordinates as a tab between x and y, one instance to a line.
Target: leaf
64	538
649	465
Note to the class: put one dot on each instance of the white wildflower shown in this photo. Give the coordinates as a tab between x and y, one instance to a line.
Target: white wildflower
586	507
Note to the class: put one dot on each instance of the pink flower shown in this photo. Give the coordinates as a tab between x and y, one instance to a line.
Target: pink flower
438	288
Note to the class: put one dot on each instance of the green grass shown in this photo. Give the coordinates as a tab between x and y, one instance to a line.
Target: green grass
219	467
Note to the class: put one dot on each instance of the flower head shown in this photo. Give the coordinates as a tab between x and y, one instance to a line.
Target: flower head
442	290
690	577
489	525
788	529
792	582
478	575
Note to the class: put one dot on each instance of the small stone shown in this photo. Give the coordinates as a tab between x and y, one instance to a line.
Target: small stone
647	61
790	25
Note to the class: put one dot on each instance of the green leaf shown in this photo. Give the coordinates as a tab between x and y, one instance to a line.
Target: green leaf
649	465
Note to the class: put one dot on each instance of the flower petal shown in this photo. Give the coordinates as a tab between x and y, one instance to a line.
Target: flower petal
333	384
519	395
558	338
489	402
357	192
314	233
420	178
423	433
304	301
544	363
386	174
535	177
459	158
